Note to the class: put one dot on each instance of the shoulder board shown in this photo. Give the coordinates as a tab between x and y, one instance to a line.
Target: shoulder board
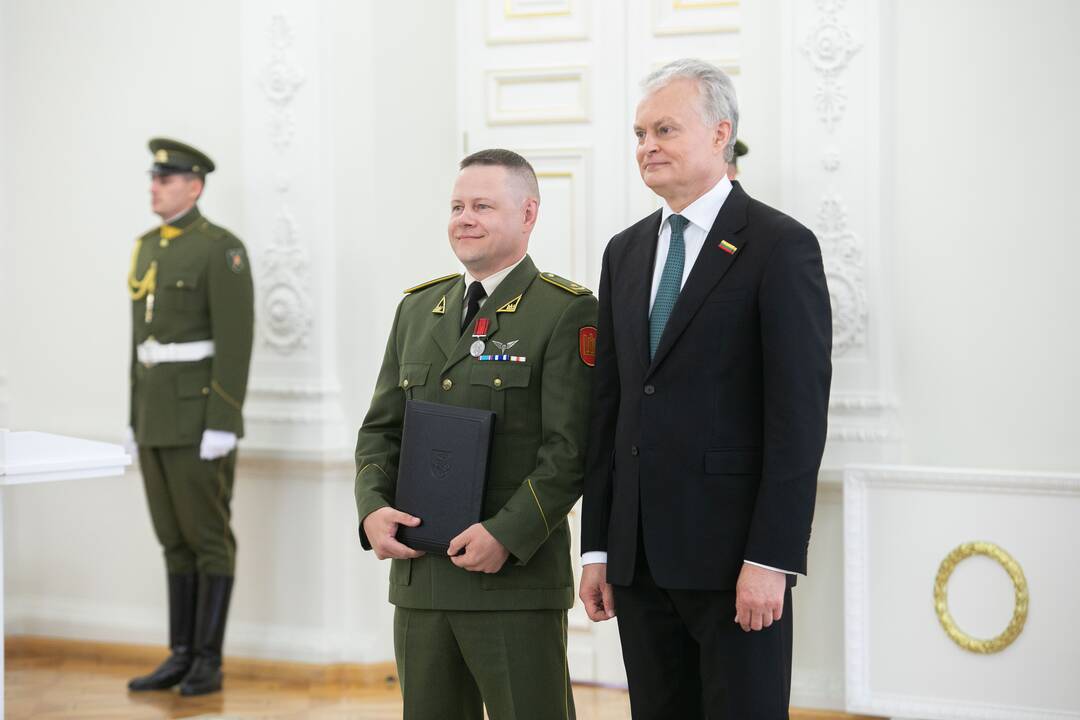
568	285
429	283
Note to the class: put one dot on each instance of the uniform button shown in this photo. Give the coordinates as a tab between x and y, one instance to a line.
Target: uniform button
634	450
405	383
164	242
447	384
498	382
206	391
649	389
180	283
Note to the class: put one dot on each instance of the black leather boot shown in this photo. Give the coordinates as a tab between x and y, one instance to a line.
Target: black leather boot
182	593
213	607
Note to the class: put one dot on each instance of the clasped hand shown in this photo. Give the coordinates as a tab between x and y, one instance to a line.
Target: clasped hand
483	553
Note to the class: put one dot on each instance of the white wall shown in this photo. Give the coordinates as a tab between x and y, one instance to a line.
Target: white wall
91	82
984	186
5	227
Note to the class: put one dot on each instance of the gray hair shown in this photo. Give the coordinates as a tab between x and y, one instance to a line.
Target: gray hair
718	101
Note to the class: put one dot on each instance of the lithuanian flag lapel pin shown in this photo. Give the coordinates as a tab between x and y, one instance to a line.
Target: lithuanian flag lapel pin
727	247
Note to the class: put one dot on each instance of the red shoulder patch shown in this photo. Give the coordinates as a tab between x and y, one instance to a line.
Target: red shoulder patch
587	345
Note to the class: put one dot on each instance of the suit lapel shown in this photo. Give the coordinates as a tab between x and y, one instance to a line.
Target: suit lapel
640	261
710	267
512	285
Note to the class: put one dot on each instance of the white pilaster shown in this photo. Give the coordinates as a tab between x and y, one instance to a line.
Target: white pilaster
294	398
832	149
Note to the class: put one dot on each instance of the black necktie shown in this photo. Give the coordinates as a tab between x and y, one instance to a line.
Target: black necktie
473	297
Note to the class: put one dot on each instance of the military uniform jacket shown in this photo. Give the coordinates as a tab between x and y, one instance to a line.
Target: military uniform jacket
202	290
537	453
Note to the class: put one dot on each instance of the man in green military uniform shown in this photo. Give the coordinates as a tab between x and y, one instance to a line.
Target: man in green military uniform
192	320
486	623
741	149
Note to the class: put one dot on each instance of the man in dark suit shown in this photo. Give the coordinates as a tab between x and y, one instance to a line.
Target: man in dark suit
711	395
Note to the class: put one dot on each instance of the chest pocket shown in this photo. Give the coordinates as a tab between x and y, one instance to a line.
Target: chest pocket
505	388
412	377
182	291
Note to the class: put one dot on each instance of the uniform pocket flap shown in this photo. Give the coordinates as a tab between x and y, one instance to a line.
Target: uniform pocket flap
192	385
733	461
412	374
500	375
182	281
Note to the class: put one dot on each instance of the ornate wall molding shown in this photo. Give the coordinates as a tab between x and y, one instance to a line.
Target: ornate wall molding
828	49
285	317
531	96
285	275
281	80
871	493
845	270
294	405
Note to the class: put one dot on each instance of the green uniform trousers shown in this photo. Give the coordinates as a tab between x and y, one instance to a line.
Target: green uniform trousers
453	663
189	506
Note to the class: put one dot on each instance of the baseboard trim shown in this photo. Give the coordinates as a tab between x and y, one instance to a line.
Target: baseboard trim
377	674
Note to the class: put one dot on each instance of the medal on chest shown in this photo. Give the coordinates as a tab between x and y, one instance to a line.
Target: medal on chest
480	331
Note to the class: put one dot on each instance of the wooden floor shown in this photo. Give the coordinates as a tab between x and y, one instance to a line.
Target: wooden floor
55	685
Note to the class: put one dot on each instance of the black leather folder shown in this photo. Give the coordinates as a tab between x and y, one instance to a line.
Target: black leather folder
442	471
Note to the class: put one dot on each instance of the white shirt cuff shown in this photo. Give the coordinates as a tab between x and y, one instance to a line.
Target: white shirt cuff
751	562
594	557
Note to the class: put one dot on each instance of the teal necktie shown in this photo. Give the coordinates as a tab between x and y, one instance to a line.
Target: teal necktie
670	282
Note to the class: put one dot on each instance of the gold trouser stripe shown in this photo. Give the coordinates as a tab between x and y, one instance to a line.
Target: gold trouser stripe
225	396
222	505
539	507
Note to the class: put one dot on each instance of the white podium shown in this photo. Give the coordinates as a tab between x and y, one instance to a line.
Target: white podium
34	457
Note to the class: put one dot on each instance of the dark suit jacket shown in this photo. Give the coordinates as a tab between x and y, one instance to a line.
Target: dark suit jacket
714	446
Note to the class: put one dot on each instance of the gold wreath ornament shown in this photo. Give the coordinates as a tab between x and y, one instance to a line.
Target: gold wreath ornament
941	600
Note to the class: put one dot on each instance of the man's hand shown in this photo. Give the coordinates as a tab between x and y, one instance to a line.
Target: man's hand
596	592
483	553
381	530
759	597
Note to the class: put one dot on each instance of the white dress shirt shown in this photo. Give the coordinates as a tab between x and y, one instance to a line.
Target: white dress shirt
701	215
490	283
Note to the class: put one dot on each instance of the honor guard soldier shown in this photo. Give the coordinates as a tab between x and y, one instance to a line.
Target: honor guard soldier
192	321
740	149
485	623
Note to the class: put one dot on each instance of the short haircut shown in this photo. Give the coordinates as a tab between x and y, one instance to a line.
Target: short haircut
718	101
515	165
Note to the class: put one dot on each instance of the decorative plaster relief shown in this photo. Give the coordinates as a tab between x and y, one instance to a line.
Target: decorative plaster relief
829	48
844	269
285	265
281	80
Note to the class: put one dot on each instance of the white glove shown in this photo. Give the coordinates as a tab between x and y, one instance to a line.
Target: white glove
129	445
216	443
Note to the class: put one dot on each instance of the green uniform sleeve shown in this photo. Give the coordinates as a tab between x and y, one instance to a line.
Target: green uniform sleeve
378	443
551	489
232	324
